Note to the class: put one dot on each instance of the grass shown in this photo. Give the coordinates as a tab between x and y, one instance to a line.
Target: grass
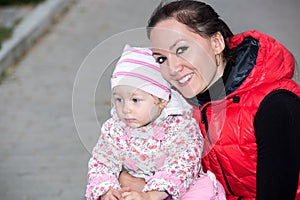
3	75
18	2
5	33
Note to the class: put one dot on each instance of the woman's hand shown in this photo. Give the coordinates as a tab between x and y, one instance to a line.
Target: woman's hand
153	195
135	184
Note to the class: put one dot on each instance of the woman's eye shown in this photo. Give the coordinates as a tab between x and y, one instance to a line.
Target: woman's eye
161	60
180	50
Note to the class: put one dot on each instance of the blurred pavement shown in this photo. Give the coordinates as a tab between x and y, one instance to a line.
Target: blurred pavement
42	154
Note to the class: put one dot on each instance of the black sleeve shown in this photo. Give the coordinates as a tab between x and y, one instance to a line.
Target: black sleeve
277	131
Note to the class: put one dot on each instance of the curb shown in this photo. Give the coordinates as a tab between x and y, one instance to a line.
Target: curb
31	28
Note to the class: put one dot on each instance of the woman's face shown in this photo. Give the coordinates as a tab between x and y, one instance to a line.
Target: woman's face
188	61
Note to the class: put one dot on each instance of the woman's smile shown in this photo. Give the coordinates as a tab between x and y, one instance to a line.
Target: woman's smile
185	79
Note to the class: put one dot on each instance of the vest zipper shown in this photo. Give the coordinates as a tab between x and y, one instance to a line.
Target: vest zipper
225	178
205	121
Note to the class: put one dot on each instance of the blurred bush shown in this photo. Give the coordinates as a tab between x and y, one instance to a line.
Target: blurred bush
5	33
19	2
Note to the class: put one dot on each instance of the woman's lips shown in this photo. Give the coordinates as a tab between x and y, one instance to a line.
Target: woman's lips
185	80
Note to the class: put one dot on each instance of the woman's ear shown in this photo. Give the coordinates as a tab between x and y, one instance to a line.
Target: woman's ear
217	43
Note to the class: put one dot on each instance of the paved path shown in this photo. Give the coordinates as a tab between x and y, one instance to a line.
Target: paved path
42	156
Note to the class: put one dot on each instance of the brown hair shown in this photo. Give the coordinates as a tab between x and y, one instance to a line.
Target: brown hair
197	16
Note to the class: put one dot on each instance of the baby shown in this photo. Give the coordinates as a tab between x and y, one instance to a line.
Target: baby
151	135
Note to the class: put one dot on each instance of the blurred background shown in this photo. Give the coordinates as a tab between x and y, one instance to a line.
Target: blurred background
55	93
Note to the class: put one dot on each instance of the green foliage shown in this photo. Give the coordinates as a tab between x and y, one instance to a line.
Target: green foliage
19	2
5	33
3	75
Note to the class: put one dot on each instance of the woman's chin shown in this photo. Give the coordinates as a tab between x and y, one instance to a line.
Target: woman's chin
187	94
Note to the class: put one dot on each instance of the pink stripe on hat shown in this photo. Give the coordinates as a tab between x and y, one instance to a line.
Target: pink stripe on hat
146	64
138	51
145	78
137	68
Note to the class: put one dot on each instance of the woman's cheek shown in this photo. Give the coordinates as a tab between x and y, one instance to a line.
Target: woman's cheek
165	72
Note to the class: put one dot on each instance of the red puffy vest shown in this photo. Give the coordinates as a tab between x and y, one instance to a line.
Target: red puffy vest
232	155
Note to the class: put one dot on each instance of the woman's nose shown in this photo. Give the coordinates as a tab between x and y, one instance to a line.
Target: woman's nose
175	64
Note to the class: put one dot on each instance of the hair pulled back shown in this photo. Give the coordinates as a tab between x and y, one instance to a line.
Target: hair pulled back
199	17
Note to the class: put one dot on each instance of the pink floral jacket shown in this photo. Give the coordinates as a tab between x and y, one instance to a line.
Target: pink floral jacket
166	153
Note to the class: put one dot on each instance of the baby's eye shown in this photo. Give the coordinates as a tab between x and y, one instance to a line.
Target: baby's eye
119	100
136	100
180	50
161	60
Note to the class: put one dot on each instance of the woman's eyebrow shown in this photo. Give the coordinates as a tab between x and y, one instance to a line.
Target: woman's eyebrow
170	48
155	53
175	43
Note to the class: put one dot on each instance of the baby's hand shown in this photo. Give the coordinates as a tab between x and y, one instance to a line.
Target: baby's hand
153	195
135	195
112	195
136	184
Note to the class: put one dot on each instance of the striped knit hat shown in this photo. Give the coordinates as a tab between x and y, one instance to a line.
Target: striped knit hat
138	68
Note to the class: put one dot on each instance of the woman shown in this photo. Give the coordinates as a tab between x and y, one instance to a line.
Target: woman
244	98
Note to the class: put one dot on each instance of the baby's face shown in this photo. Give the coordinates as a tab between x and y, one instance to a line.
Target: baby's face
136	107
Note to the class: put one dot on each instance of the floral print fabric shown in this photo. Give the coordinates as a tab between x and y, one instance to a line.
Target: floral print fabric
166	153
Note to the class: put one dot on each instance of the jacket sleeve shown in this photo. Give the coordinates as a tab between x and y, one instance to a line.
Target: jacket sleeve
182	161
104	166
277	125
